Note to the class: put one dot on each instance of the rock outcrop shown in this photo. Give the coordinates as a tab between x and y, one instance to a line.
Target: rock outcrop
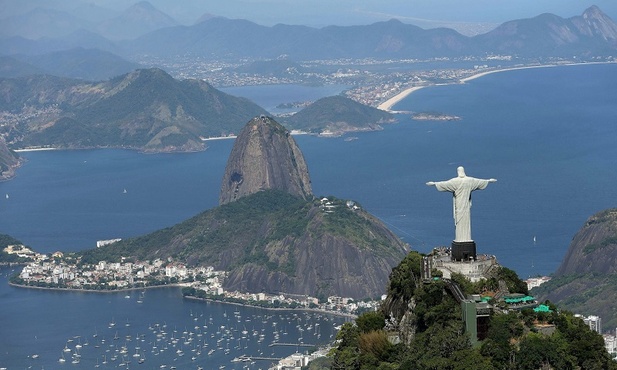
324	259
585	280
264	156
9	161
594	248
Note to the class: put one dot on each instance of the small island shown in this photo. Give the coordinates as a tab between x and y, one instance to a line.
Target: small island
434	116
295	105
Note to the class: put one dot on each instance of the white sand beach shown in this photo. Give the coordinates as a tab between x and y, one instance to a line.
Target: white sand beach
388	104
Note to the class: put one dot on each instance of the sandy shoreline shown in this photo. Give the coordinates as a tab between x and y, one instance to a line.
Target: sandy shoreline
34	150
388	104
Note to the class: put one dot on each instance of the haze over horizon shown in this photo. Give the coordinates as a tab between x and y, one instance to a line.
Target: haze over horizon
477	16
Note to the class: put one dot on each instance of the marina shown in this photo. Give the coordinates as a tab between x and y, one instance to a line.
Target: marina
166	331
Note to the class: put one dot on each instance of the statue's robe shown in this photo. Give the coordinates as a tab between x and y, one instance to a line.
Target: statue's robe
461	188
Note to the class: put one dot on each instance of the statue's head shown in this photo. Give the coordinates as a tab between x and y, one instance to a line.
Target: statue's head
461	171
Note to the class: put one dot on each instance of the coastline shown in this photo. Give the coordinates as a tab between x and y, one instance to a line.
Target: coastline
390	103
106	291
335	313
34	150
219	138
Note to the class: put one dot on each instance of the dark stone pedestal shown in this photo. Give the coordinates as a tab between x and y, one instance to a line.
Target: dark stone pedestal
463	251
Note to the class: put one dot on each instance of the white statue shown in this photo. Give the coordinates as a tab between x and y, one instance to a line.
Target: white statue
461	188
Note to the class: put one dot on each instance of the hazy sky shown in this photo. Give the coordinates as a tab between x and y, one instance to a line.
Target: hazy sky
345	12
319	13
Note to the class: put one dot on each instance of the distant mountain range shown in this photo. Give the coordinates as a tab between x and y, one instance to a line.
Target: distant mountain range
145	30
41	22
86	64
146	109
545	35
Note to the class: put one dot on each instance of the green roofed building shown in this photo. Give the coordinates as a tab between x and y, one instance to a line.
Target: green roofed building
542	308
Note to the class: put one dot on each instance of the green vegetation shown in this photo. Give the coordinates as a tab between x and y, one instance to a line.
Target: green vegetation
145	109
247	228
271	237
590	248
433	337
5	241
584	293
337	112
8	161
247	225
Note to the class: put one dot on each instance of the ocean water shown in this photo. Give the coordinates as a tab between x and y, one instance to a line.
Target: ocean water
547	135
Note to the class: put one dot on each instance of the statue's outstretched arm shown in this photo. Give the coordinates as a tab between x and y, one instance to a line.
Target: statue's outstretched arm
431	183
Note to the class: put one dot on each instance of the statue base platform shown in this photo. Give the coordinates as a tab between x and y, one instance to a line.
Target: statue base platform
463	251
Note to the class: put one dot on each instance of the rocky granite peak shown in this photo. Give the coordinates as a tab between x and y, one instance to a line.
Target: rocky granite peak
594	248
264	156
585	282
596	23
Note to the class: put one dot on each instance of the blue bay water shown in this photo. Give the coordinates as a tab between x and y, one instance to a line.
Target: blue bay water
164	329
270	96
548	135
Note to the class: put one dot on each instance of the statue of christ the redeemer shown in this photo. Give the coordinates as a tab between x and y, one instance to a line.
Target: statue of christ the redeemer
461	188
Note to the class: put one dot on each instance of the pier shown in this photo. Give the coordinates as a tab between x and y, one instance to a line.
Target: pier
266	358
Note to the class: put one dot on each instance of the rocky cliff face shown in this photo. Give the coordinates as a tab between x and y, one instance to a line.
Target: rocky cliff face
586	280
594	23
594	247
264	156
324	260
9	161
